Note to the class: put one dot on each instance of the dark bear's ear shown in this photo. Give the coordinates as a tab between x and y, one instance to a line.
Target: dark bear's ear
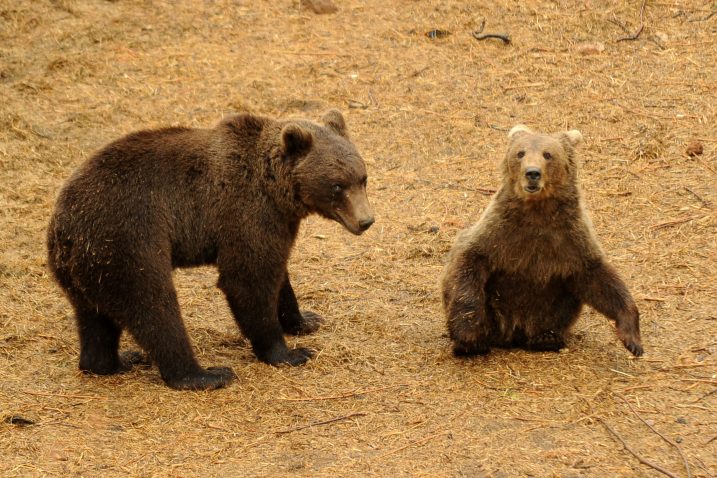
296	140
335	120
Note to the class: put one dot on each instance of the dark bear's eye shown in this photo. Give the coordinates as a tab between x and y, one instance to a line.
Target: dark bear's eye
547	155
337	188
521	154
364	181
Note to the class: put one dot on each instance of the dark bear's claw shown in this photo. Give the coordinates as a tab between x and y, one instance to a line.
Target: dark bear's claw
209	379
285	356
634	348
465	349
132	358
549	341
309	323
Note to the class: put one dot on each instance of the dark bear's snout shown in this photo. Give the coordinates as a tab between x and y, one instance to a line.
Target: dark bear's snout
355	214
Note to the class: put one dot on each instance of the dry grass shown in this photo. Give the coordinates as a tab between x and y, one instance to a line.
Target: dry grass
384	397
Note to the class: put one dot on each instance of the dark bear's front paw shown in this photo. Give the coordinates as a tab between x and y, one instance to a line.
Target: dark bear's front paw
549	341
308	323
284	356
469	349
209	379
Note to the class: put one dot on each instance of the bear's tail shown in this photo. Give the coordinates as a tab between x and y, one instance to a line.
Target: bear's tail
59	252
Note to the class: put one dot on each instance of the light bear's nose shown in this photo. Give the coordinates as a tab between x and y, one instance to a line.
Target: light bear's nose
533	174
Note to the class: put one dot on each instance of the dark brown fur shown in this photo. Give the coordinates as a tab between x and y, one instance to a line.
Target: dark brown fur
520	276
232	196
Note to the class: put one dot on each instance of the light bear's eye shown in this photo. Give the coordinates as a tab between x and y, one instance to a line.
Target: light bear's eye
337	188
521	154
547	156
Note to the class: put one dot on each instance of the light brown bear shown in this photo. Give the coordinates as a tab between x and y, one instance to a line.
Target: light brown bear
521	275
233	196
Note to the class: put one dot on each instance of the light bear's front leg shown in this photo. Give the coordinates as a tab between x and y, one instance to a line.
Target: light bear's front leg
602	288
465	304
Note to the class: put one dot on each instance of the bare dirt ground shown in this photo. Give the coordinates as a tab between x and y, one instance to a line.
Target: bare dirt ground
384	397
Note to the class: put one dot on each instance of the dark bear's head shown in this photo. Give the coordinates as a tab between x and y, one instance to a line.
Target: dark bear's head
329	174
539	166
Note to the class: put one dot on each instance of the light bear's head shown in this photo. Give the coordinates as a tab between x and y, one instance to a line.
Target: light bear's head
538	166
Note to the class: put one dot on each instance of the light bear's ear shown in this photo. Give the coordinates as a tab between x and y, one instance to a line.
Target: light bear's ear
517	130
295	140
574	136
335	120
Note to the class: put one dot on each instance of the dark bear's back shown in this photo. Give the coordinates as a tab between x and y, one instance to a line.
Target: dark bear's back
134	204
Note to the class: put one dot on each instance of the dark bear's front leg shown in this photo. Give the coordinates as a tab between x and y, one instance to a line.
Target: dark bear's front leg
464	302
602	289
253	300
292	320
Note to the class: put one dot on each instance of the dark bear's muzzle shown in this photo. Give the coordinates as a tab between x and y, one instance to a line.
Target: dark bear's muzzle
356	215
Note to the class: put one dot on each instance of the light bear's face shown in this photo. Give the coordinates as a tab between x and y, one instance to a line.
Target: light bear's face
538	166
330	176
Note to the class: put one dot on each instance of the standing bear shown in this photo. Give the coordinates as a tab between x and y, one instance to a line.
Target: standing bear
520	276
232	196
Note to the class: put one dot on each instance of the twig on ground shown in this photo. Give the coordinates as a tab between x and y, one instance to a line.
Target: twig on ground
679	449
353	393
633	453
682	220
322	422
699	198
636	35
705	18
64	395
479	35
416	442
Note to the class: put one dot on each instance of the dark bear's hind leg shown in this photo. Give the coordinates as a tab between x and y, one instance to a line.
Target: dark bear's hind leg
293	321
153	318
99	343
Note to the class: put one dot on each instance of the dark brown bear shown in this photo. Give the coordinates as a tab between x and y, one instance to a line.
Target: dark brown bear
232	196
520	276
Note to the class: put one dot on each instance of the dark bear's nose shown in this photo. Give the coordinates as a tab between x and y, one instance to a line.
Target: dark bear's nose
366	223
533	174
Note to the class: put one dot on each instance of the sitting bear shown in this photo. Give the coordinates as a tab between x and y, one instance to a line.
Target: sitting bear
520	276
232	196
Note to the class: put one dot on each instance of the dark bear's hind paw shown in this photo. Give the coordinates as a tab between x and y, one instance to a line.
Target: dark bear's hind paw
549	341
309	323
209	379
